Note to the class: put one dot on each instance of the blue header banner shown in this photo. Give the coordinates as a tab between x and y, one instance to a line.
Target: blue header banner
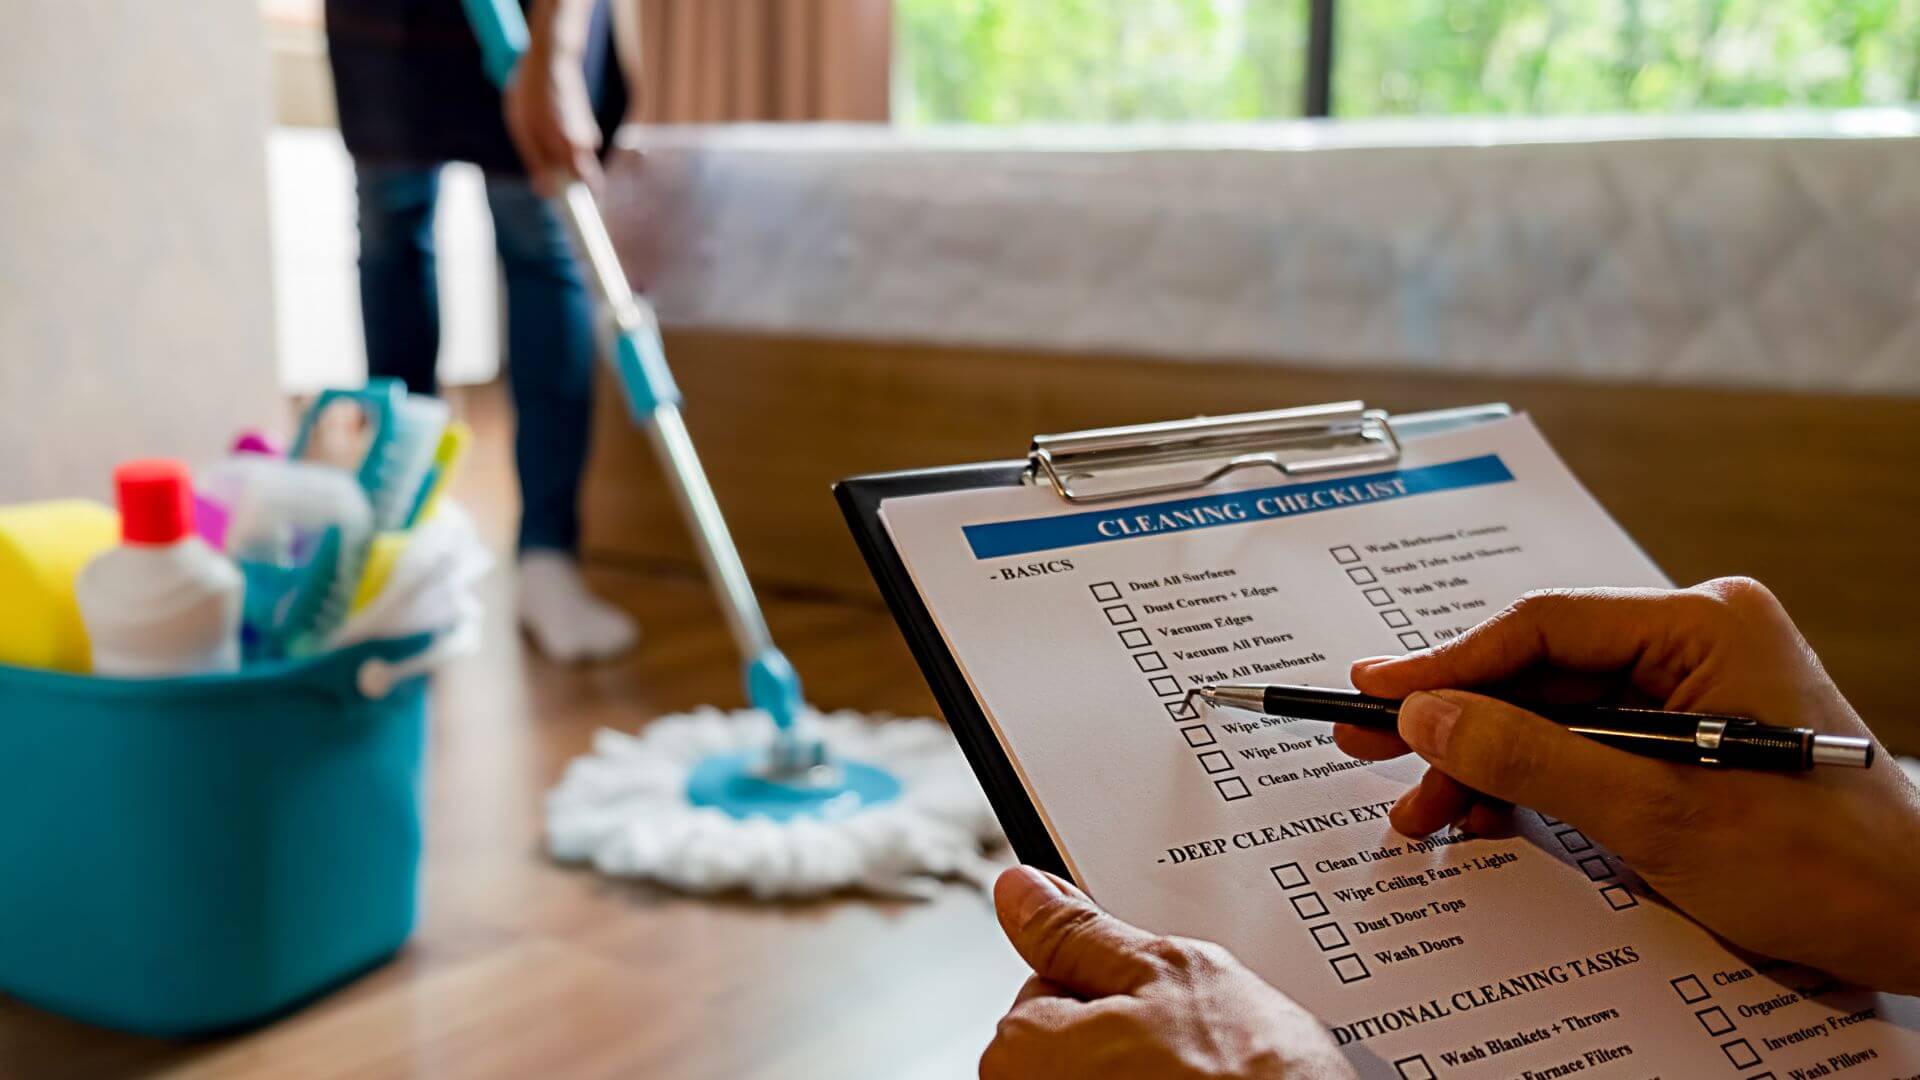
1027	535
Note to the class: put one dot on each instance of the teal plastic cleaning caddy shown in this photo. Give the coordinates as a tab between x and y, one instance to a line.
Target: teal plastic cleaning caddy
185	855
794	777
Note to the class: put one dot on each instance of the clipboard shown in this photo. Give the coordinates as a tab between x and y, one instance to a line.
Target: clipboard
1101	465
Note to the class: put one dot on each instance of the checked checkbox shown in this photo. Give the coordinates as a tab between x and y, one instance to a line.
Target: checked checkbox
1288	875
1134	638
1395	618
1105	590
1690	989
1619	897
1344	554
1215	761
1308	905
1741	1053
1360	575
1378	597
1413	639
1150	661
1165	685
1198	735
1715	1020
1350	968
1182	710
1232	788
1120	614
1328	936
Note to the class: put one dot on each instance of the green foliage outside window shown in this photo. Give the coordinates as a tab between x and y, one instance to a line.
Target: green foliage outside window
1009	61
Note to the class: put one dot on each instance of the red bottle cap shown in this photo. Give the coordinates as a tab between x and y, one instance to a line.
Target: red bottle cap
156	501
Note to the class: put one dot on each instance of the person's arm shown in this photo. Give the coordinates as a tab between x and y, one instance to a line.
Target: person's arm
1821	868
549	112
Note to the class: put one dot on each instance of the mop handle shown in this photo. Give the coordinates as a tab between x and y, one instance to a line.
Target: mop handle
654	400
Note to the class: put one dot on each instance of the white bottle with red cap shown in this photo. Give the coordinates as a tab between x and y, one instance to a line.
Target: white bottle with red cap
162	602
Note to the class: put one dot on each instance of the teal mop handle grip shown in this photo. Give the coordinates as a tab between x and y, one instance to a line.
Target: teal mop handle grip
501	28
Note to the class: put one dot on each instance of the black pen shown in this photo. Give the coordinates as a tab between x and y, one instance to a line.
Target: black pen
1696	738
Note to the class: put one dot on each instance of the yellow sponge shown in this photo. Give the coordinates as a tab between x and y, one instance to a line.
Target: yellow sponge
42	548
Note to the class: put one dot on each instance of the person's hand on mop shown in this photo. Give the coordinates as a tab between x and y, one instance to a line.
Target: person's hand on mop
549	111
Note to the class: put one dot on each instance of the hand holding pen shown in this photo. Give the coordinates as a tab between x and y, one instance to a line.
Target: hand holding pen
1825	846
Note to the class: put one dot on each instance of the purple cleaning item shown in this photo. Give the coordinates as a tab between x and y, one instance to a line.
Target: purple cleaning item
255	441
210	521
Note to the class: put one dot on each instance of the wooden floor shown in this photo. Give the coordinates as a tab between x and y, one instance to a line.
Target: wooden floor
524	968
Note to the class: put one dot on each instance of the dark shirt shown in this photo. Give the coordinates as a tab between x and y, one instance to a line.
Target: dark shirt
410	88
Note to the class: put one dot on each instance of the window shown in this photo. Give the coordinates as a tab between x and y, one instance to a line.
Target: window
1010	61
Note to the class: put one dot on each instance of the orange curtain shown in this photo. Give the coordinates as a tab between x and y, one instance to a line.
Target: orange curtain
722	61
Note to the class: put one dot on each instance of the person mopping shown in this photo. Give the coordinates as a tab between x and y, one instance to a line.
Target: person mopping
413	95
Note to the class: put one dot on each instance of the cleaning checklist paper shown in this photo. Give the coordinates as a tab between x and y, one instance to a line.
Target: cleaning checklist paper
1082	629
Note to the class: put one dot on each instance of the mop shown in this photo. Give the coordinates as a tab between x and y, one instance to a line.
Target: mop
777	799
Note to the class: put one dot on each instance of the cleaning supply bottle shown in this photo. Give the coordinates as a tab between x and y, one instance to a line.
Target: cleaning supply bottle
42	548
162	602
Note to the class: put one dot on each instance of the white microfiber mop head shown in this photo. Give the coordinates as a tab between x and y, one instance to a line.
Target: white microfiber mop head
624	809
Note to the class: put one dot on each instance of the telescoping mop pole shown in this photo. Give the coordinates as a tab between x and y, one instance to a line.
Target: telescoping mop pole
795	777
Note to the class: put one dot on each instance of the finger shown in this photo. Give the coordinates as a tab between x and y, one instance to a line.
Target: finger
1037	987
1368	744
1491	818
1588	630
1436	802
1037	1038
1515	755
1066	940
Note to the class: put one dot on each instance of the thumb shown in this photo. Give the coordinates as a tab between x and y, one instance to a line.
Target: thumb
1519	756
1067	940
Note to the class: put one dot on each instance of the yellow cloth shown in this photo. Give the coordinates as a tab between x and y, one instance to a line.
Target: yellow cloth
42	548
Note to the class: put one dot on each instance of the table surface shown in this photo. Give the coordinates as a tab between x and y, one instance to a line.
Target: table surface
521	966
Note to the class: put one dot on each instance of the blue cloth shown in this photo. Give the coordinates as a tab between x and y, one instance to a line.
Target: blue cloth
550	327
410	90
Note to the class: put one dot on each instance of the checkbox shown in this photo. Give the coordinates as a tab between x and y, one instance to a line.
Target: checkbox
1308	905
1120	614
1414	1068
1395	618
1328	936
1134	638
1619	897
1597	867
1165	685
1573	840
1690	989
1378	597
1741	1053
1546	819
1344	554
1198	735
1181	710
1413	639
1360	575
1105	590
1715	1020
1215	761
1288	875
1232	788
1768	1075
1150	661
1350	968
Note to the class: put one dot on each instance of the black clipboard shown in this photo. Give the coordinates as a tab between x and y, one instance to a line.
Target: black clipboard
1091	467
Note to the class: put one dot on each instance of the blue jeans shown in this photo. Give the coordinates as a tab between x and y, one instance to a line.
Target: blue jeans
550	327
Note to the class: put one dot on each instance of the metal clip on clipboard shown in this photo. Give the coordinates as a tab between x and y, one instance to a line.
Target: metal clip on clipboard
1180	455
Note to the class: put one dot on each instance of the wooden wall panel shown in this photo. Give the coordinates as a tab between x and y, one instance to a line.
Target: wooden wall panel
1812	494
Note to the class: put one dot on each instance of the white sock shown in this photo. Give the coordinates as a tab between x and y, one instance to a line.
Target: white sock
564	618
